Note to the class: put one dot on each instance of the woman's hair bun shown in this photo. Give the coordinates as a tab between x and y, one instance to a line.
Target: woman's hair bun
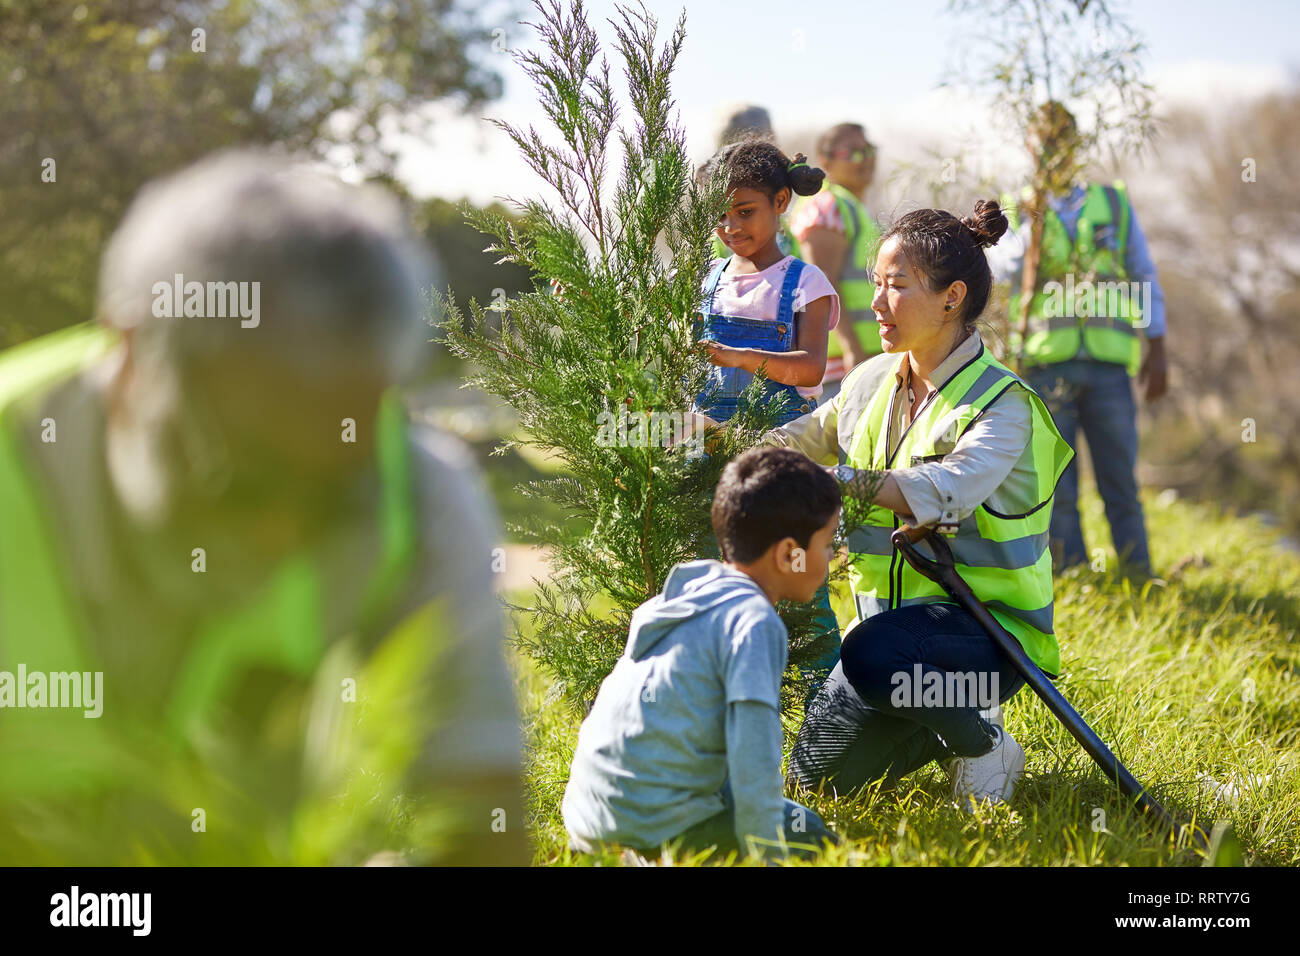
804	179
987	223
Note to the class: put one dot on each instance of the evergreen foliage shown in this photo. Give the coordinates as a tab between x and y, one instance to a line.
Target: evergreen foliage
603	372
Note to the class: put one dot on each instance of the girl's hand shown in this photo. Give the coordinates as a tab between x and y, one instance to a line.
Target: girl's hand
722	355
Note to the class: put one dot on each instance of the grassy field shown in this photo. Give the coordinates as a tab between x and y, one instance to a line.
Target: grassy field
1190	678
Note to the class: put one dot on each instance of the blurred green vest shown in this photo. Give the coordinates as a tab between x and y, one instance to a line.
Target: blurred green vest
1085	306
60	765
856	290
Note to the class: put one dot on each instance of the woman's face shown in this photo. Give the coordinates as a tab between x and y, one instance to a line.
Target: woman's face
909	315
752	221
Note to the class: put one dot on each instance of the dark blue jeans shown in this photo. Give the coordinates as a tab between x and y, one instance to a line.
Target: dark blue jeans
908	690
1097	396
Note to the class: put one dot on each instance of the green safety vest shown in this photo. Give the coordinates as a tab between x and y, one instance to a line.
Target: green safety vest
1074	318
1003	557
856	290
51	753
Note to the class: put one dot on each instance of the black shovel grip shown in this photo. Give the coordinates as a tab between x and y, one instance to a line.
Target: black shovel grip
936	569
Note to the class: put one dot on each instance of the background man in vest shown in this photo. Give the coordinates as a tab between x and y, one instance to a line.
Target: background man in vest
1079	355
240	519
835	233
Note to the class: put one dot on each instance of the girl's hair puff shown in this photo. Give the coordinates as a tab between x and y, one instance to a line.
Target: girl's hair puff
755	163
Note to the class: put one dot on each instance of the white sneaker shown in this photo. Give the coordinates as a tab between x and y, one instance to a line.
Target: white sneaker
991	776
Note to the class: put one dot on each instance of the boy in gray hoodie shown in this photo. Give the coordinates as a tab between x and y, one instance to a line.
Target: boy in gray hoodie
684	739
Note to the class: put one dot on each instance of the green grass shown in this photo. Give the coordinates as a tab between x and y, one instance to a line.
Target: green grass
1186	676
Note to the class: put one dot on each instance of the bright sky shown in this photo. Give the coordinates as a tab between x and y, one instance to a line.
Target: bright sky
813	63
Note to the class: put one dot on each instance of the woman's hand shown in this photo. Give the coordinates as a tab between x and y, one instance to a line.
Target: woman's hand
698	422
699	434
877	488
694	426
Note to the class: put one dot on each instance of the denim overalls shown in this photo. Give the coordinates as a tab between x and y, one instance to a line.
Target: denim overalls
726	384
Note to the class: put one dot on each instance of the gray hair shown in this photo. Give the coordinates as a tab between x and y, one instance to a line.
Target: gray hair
333	269
746	121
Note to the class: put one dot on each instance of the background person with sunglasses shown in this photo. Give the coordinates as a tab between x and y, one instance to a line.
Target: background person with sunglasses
834	231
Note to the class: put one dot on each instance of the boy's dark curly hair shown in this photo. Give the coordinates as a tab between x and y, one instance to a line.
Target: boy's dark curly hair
768	494
755	163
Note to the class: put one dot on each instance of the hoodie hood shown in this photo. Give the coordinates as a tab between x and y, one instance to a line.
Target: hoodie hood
693	588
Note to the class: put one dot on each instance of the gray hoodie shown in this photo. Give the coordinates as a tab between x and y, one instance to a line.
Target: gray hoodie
693	701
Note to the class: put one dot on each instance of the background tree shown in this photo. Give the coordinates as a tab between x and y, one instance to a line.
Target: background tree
459	248
617	345
1228	225
116	92
1075	52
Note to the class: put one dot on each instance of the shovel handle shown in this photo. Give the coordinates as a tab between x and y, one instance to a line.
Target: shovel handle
937	569
912	533
943	571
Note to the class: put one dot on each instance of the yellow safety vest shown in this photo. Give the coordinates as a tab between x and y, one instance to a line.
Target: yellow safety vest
856	290
1003	557
1085	307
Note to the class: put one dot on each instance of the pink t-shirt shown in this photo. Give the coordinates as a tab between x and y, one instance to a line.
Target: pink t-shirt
758	296
820	211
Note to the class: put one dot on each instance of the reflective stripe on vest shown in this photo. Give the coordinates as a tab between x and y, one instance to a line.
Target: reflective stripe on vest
1087	279
1003	557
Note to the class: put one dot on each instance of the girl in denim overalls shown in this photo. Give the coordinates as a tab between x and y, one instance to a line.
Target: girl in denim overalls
765	309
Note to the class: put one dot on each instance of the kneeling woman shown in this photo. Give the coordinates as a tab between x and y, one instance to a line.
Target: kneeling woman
966	445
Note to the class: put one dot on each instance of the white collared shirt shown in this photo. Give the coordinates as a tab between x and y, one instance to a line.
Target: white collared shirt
990	463
982	459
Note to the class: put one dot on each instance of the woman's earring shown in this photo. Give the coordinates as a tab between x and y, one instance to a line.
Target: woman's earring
947	308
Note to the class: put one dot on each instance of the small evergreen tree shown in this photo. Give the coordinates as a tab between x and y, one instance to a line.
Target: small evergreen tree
604	374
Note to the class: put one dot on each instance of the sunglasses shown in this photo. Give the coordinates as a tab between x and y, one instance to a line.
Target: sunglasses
856	155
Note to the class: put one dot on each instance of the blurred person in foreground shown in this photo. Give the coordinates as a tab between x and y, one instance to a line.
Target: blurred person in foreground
223	534
1098	296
